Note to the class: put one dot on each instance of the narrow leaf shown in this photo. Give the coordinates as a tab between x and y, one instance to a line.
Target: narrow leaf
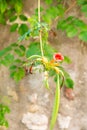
23	17
23	29
19	74
13	18
3	6
18	6
14	27
69	82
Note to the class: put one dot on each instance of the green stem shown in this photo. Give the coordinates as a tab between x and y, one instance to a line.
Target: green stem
56	104
34	56
40	35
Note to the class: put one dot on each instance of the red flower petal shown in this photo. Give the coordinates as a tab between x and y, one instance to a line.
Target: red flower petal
58	57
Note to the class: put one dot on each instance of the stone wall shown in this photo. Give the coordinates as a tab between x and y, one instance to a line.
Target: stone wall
30	102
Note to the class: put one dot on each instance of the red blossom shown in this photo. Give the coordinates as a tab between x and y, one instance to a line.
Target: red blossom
58	57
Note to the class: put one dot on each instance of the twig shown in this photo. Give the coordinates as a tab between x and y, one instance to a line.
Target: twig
40	35
70	7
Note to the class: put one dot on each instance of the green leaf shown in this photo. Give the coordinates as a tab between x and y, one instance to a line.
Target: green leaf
60	10
12	74
84	8
34	49
18	6
13	67
36	10
17	61
13	18
6	124
69	82
19	74
4	51
48	1
7	60
71	31
62	24
3	6
24	36
23	17
14	27
79	23
10	12
23	29
67	59
19	52
3	110
48	51
2	19
81	2
59	0
51	13
83	36
56	104
51	72
14	45
22	48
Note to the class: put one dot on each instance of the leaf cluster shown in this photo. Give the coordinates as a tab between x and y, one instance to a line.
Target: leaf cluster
3	110
9	8
73	27
83	6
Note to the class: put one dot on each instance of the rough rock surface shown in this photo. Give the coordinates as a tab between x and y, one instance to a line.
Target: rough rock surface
35	121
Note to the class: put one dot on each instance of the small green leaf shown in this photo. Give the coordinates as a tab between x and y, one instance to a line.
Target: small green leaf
19	52
19	74
2	19
83	36
4	51
14	45
62	24
6	124
13	18
23	29
23	17
71	31
69	82
51	72
60	10
84	8
12	73
67	59
3	6
18	61
48	1
14	27
81	2
18	6
10	12
48	51
13	67
22	48
34	49
79	23
8	59
3	110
